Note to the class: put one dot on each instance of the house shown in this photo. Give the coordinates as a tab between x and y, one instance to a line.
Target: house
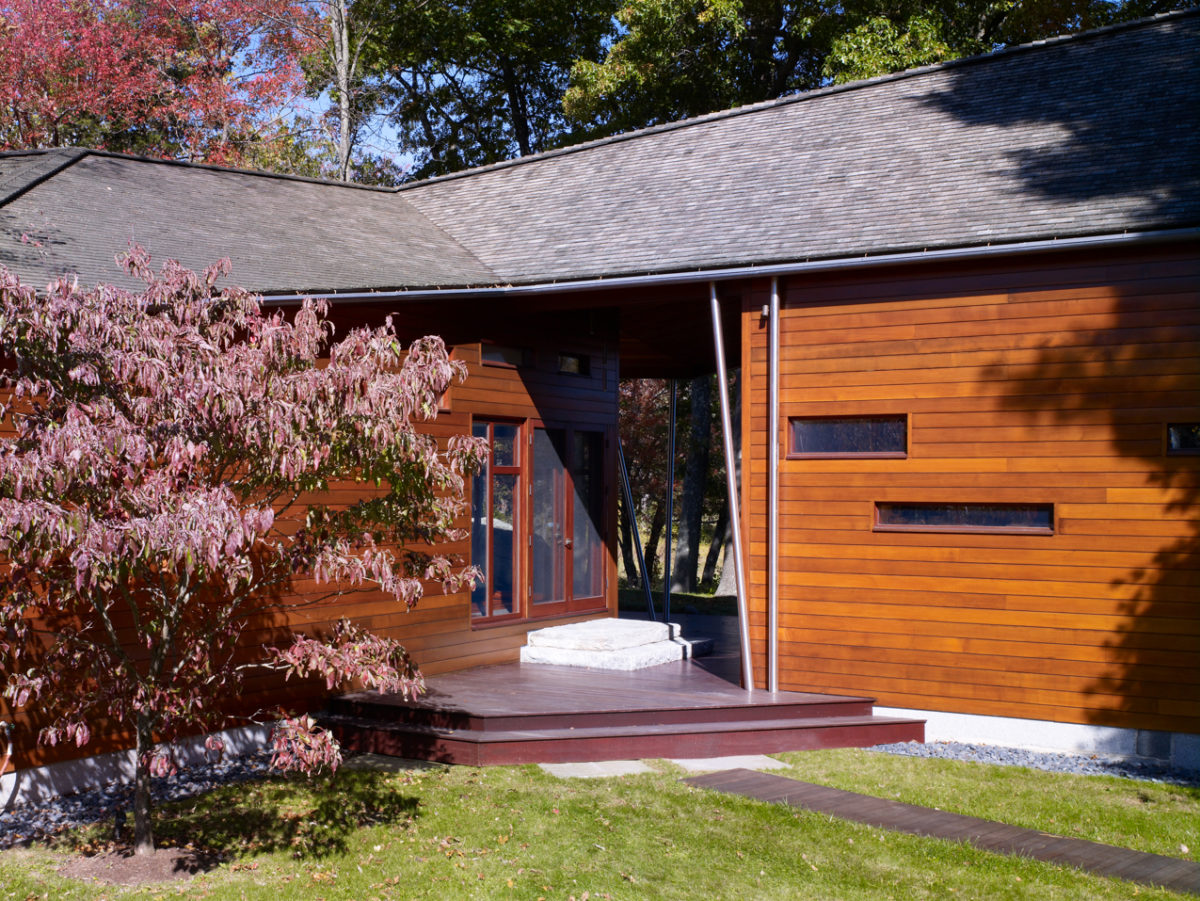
965	301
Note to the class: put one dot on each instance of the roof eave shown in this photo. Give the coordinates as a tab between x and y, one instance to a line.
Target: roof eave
751	270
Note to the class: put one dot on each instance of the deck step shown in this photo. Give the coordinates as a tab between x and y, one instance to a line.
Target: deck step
575	744
523	713
388	710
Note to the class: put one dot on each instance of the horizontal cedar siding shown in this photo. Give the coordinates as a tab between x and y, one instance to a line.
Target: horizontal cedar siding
438	630
1038	380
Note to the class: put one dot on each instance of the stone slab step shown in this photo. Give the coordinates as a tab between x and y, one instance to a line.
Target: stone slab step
633	658
611	644
602	635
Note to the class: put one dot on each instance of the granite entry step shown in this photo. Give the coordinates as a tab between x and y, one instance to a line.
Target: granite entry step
614	644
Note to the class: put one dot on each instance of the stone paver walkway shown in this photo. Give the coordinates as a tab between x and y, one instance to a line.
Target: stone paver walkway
741	762
596	769
633	767
1105	860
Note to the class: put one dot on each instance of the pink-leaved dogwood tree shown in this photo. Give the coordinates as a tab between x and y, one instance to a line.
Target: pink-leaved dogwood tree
163	455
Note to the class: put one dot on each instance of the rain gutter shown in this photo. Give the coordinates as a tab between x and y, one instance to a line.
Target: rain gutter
702	276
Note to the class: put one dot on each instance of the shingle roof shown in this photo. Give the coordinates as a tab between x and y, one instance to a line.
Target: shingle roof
1078	136
289	233
1089	135
22	170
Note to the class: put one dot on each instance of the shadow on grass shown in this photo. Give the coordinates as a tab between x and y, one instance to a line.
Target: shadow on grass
634	601
310	819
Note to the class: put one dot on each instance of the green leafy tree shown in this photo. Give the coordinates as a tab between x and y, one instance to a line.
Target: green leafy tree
682	58
467	84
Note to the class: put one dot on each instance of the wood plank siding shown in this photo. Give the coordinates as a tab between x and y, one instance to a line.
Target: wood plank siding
1044	380
440	631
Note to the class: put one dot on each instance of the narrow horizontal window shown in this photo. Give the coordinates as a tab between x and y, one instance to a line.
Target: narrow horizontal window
503	355
575	364
1183	438
848	436
919	517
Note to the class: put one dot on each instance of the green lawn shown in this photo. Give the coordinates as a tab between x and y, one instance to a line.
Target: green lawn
634	601
517	833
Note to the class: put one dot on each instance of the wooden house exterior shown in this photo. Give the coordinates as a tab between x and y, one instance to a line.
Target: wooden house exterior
996	518
986	279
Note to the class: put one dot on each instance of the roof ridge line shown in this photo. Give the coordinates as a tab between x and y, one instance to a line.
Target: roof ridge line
68	156
802	96
214	167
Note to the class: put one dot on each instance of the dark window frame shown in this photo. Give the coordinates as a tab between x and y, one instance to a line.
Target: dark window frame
793	454
584	361
965	528
525	353
1170	451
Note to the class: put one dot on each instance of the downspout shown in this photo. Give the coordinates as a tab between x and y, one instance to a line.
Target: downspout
773	498
735	514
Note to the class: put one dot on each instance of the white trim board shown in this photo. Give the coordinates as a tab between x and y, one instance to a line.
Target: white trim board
40	784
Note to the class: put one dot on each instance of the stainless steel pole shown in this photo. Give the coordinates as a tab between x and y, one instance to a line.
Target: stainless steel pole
735	516
670	508
773	501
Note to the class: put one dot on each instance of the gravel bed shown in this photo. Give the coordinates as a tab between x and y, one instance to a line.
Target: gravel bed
31	822
1080	765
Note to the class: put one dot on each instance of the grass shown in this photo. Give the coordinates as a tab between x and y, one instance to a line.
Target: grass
518	833
633	600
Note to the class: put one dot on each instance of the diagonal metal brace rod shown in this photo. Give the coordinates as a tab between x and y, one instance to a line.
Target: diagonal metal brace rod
633	527
735	516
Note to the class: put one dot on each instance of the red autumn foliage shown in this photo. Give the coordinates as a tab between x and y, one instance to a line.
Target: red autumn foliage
188	79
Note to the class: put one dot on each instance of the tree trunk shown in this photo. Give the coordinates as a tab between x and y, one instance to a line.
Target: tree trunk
633	576
339	25
143	830
720	539
657	521
727	587
695	478
517	108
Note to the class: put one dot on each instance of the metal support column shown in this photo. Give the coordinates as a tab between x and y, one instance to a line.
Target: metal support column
670	507
735	516
773	500
633	527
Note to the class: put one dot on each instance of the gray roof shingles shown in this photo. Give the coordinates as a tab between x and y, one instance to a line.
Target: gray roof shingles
1091	135
284	233
1084	136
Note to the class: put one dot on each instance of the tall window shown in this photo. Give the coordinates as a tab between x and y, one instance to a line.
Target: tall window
537	521
496	512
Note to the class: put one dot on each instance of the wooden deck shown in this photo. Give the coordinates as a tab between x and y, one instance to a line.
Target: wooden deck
533	713
1121	863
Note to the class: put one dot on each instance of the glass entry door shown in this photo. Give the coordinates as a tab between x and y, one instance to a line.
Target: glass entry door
567	529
